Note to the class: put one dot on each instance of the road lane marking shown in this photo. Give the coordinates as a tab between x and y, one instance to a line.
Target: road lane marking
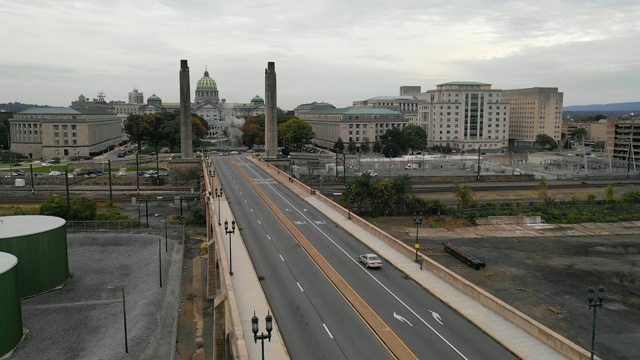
328	332
436	316
363	269
401	318
281	257
300	286
259	222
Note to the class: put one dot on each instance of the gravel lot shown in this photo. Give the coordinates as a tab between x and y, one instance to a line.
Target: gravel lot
84	319
547	276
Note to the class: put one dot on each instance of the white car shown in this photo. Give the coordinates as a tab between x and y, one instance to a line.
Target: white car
122	173
55	173
45	164
370	260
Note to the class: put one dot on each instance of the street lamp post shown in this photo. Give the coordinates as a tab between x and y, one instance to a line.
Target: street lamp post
417	221
262	336
232	231
218	195
594	304
349	187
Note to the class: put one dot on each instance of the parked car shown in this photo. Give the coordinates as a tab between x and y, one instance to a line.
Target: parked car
411	167
122	173
122	154
18	173
370	260
55	173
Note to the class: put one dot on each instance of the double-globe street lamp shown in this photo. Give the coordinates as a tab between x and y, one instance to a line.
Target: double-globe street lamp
262	336
232	231
591	292
218	195
417	221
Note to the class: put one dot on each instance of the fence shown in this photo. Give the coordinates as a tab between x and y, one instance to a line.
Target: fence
93	225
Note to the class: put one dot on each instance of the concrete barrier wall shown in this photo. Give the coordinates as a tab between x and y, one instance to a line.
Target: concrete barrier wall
233	325
537	330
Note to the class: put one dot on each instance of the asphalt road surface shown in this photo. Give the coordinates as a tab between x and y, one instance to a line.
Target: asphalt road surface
429	328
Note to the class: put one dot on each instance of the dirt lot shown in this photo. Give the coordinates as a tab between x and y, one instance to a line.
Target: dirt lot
547	278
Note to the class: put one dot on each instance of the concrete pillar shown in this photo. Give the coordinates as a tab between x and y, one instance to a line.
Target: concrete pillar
271	113
219	330
212	268
186	148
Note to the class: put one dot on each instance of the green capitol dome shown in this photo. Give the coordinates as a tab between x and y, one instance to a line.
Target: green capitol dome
257	99
206	82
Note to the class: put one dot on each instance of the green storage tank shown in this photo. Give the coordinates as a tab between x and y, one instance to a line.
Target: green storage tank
40	244
10	309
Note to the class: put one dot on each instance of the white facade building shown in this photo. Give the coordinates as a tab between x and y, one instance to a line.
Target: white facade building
465	116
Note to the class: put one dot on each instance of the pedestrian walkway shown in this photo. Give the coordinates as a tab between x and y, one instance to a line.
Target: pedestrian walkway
249	294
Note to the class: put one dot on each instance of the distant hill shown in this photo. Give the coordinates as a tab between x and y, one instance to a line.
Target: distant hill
15	107
624	107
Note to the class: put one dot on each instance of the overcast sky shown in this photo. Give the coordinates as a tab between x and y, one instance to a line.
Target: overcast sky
335	51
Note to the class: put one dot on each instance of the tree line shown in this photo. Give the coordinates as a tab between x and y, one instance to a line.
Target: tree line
162	129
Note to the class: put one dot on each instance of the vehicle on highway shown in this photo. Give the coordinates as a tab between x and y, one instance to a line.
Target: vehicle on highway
411	167
370	260
122	154
122	173
46	164
19	173
55	173
372	173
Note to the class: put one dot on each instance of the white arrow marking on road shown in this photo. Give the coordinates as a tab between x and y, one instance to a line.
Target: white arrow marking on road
288	210
305	210
437	317
401	318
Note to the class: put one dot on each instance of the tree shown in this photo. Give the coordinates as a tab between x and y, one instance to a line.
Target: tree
392	143
567	144
83	209
546	141
54	206
377	147
580	134
414	137
252	132
352	146
134	129
542	190
339	145
296	132
609	191
466	197
365	146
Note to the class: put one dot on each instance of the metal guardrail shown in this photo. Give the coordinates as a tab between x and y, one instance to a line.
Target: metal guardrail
93	225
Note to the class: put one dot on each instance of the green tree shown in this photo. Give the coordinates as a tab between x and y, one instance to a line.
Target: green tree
579	134
352	146
134	128
545	141
609	191
365	146
54	206
392	143
542	190
466	197
339	145
414	137
377	147
252	132
296	132
567	145
83	209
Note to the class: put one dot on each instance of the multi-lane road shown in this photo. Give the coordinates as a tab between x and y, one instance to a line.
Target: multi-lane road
314	317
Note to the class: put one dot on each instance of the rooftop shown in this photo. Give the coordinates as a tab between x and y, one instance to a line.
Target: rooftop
355	111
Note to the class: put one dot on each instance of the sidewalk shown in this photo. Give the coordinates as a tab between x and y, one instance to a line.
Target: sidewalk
248	290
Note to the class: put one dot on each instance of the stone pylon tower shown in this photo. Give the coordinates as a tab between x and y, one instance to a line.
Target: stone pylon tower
271	113
186	147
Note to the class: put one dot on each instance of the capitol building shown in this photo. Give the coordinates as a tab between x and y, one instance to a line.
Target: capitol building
218	113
